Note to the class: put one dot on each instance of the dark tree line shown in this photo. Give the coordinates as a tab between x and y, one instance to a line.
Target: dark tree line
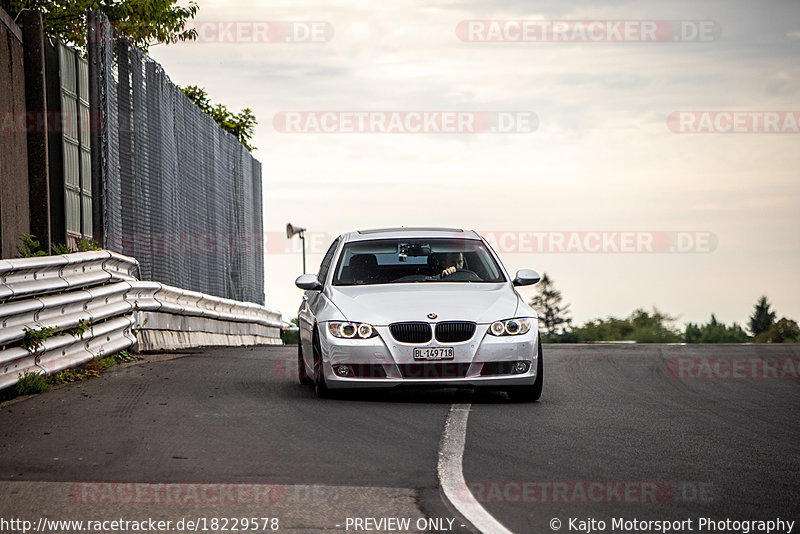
654	326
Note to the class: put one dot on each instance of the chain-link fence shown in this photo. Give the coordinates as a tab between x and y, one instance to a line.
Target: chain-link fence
172	188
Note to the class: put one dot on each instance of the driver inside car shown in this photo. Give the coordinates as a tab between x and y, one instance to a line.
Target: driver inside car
453	261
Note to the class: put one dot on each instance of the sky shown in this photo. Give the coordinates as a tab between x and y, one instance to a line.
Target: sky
590	165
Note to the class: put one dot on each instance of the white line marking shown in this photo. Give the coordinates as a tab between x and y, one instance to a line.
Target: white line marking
451	473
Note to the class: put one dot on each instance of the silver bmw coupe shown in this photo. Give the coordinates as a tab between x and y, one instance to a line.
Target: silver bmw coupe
417	307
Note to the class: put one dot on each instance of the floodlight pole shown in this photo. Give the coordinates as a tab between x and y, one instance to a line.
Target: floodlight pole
291	231
303	239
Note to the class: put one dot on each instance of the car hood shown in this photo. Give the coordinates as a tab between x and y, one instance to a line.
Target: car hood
382	304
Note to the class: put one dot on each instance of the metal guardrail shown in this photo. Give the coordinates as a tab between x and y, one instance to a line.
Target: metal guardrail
64	311
173	318
157	297
94	303
61	293
66	350
25	277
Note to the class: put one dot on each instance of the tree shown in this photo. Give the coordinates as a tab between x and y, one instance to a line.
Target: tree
655	327
714	332
610	329
240	125
641	326
762	318
784	331
289	335
142	22
548	305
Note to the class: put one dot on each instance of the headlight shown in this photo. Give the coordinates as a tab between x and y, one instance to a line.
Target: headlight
351	330
365	330
511	327
498	328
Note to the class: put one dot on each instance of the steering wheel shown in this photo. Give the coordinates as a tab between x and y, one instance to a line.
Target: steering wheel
466	275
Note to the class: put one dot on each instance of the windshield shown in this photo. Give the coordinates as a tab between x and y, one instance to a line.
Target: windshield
392	261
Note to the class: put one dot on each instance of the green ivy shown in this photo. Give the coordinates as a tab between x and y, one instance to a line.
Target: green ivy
241	125
35	337
29	247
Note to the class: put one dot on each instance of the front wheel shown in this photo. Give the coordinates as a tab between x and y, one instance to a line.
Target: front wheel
533	392
320	387
305	380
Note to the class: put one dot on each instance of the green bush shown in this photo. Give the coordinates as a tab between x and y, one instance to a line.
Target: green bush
30	383
783	331
60	248
84	245
641	326
290	337
123	356
714	332
29	247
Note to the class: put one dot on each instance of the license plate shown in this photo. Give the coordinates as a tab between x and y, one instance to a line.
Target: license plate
434	353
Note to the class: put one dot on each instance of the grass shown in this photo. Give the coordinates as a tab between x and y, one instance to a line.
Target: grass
32	382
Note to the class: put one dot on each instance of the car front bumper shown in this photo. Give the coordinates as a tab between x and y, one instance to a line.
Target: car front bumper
382	361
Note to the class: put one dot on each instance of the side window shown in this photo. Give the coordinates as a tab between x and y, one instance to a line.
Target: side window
326	262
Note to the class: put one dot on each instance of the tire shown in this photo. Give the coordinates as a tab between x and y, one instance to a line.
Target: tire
302	375
320	387
533	392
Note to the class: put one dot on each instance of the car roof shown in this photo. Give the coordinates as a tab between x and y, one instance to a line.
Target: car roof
410	232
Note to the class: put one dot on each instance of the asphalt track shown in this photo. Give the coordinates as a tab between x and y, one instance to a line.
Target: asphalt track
632	432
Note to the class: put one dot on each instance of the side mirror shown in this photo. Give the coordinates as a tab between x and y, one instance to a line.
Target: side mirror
526	277
308	281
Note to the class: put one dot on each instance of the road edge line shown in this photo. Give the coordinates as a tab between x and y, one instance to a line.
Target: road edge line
450	469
